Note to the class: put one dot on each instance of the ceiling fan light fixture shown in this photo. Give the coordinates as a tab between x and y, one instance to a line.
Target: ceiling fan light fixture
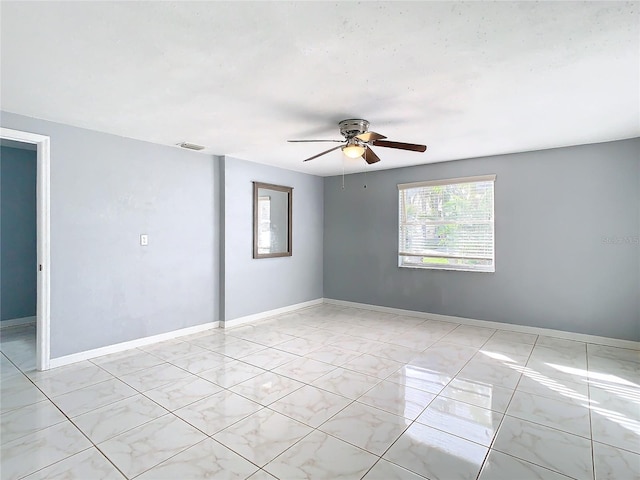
358	140
353	151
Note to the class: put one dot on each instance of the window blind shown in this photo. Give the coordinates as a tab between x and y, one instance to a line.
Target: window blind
447	224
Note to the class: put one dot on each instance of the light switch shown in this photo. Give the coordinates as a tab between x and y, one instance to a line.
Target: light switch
144	240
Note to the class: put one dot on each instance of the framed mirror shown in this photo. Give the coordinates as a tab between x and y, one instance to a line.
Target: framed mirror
272	207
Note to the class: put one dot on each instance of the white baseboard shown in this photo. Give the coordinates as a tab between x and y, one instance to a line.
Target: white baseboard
580	337
16	322
270	313
119	347
139	342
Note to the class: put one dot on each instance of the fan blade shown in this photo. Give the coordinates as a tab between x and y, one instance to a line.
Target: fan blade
369	136
320	154
402	146
299	141
370	157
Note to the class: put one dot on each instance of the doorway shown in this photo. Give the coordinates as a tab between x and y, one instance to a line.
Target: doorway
41	143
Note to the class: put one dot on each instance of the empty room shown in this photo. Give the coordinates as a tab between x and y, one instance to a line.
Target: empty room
320	240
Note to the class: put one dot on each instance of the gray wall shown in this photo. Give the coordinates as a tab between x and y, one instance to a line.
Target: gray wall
562	261
567	253
258	285
18	256
106	191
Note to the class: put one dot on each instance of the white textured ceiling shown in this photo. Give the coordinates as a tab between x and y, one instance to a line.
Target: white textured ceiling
467	79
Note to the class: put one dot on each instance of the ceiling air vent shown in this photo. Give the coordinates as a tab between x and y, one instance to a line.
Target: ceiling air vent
191	146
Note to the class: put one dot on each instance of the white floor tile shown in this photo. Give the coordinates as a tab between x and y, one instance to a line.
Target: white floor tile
205	460
266	388
561	343
126	362
269	337
238	349
445	357
384	470
262	436
556	450
366	427
269	358
322	457
95	396
420	378
562	415
210	340
143	447
304	369
155	377
506	347
468	335
231	373
613	353
462	419
261	475
615	463
479	394
397	399
395	352
7	369
217	411
609	373
40	449
86	465
615	426
515	337
18	391
333	355
556	388
67	379
299	346
622	398
173	350
116	418
346	383
499	374
310	405
27	420
500	466
565	356
199	361
372	365
339	369
436	455
182	393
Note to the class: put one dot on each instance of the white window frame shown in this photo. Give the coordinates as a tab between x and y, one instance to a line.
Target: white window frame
465	268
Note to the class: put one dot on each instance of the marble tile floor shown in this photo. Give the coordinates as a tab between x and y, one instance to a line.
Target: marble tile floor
326	393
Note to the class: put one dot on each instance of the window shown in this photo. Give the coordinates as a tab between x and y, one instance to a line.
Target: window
447	224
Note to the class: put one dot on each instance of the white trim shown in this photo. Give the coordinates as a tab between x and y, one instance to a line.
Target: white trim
447	181
139	342
17	322
581	337
43	322
270	313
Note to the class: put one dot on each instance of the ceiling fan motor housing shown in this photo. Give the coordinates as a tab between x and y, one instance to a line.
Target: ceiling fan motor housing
352	127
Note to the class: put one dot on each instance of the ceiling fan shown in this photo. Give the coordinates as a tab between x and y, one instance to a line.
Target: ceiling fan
358	141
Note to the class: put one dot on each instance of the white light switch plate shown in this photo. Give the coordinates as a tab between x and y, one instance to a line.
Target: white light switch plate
144	240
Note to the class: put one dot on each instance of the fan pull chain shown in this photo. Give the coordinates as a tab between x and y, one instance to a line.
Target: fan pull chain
365	175
343	173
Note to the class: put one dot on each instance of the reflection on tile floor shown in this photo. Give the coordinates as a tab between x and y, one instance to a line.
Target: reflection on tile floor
325	393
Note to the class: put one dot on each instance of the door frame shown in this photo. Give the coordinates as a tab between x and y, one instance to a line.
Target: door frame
43	309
